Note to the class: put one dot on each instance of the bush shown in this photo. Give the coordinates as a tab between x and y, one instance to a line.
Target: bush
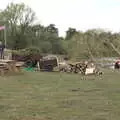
32	51
27	51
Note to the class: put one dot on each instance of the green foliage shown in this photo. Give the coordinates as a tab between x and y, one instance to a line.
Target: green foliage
22	33
17	18
32	50
93	43
27	51
70	32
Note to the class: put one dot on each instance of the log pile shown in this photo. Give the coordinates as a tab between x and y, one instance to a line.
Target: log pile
84	68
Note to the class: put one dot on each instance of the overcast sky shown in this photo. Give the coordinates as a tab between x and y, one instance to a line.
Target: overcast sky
80	14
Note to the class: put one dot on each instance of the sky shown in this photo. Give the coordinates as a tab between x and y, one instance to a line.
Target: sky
79	14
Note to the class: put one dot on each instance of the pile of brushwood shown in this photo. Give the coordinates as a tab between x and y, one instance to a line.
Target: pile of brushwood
30	56
33	58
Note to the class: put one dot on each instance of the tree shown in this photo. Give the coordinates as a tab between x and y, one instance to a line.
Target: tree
18	17
70	33
93	43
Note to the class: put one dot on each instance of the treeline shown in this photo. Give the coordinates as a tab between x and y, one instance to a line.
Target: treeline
92	43
23	33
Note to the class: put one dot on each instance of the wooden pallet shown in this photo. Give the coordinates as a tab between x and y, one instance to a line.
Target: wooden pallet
10	66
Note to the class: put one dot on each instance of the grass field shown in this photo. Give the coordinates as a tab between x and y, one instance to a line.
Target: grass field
60	96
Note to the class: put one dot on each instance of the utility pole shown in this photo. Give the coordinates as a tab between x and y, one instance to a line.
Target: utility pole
5	37
5	32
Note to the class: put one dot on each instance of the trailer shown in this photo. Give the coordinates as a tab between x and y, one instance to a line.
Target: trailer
48	63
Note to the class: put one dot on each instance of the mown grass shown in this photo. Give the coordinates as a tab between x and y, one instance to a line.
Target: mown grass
60	96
